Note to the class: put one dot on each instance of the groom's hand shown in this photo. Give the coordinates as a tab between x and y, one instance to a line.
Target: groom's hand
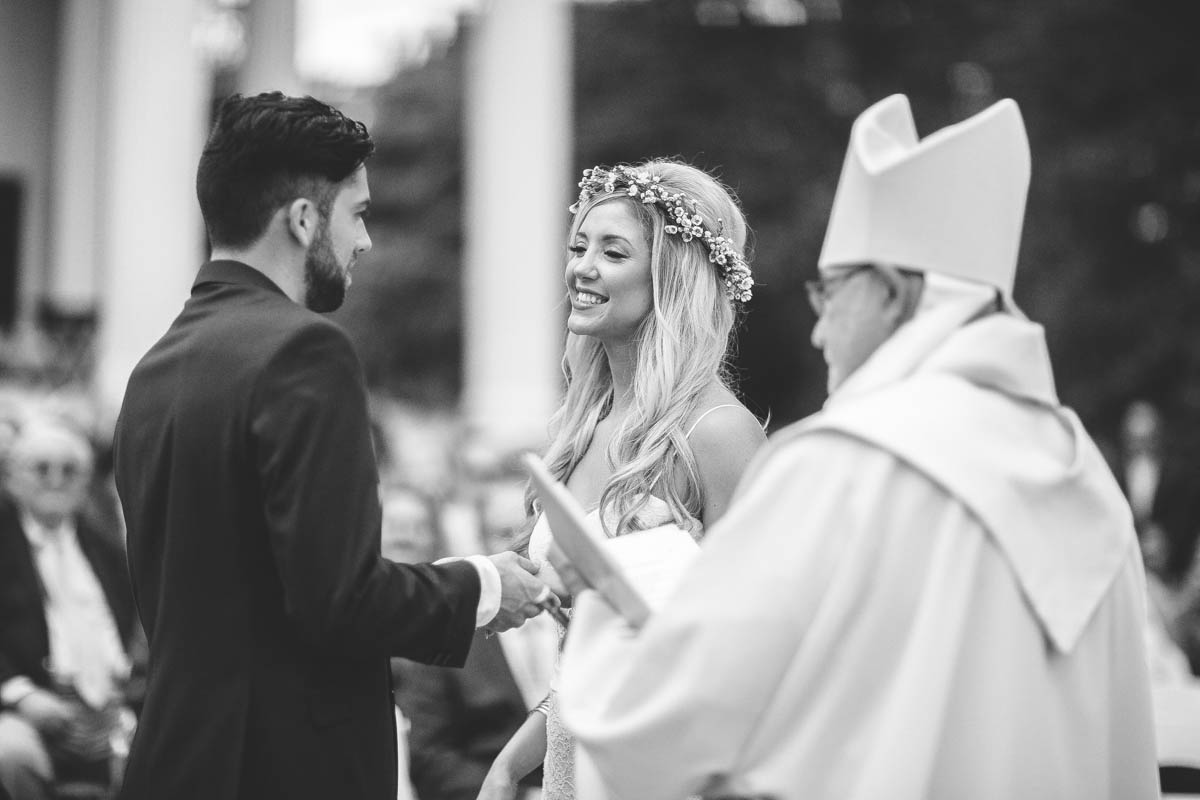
519	591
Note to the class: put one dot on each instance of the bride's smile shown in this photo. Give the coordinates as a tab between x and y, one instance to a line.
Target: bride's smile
608	273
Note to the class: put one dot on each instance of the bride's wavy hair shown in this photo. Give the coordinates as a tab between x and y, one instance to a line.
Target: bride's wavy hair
681	346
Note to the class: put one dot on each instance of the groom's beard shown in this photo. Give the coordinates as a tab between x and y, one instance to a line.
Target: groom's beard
325	280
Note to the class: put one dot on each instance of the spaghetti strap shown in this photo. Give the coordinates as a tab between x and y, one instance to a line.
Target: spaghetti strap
705	414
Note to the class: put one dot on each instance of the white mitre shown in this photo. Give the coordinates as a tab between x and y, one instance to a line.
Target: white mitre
952	203
950	206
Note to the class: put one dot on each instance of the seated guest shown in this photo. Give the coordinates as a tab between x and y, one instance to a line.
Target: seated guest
459	719
408	526
1160	477
408	536
66	616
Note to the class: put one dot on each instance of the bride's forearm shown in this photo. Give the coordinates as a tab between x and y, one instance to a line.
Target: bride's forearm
525	751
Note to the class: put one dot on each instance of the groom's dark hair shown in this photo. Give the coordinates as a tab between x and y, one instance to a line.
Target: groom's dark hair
267	150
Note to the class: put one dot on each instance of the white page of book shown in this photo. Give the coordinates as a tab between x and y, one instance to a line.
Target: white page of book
654	559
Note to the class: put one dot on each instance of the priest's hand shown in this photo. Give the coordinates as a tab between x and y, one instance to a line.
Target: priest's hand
519	592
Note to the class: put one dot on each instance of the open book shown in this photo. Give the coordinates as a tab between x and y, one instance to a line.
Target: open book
633	573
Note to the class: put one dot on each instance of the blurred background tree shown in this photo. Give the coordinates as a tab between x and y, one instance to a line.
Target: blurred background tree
763	92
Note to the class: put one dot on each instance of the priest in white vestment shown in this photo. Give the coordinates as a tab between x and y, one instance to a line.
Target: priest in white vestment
929	589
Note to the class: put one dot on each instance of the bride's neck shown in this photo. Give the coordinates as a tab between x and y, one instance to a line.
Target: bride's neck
621	365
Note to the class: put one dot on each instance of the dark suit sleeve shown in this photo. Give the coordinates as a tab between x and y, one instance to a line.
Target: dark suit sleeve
23	641
320	498
107	559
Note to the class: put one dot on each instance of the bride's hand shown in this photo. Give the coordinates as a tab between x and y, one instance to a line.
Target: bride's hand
548	575
565	573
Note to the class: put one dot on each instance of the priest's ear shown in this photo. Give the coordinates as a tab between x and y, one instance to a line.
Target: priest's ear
905	287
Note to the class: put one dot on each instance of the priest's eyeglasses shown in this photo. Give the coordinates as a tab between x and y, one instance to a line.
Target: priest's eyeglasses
822	289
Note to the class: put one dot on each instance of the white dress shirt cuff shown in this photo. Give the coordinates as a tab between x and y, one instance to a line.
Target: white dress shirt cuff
16	689
489	587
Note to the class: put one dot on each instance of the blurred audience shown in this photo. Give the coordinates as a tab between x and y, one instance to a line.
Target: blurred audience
66	617
9	425
409	526
1163	490
408	535
1162	484
461	718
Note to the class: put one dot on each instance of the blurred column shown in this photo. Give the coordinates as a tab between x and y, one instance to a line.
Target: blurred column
73	281
28	48
270	64
156	112
518	183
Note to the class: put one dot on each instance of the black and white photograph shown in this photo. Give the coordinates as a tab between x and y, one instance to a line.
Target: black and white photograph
599	400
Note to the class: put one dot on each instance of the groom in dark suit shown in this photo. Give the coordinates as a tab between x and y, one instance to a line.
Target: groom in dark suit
249	486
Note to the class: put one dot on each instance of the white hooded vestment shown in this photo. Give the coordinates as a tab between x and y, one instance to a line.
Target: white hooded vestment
930	589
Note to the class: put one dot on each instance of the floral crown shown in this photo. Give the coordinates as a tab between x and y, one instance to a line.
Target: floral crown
683	219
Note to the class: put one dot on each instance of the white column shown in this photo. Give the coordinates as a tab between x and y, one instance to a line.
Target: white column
518	183
73	282
271	49
27	48
156	117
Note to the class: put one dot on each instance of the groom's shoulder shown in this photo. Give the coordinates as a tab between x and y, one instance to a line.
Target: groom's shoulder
300	342
273	324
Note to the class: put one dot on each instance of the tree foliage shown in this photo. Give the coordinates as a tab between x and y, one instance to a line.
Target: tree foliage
1110	90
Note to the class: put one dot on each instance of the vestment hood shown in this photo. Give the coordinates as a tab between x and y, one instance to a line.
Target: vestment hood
966	396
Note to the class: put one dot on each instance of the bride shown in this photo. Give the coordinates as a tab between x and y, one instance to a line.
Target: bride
649	431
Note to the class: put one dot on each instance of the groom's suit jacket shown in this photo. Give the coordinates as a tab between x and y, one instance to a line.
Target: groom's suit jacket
248	481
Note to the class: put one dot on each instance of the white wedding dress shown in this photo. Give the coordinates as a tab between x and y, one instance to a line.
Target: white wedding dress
558	770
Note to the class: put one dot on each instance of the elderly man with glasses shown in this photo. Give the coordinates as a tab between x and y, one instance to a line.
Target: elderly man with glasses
931	588
66	617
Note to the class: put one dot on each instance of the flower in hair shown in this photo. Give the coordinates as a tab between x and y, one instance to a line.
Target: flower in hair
683	220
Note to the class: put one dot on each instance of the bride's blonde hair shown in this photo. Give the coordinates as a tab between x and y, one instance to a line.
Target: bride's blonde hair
681	347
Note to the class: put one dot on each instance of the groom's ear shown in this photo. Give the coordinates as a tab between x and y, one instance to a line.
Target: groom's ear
302	221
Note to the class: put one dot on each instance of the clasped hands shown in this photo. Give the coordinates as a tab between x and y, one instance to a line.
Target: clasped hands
522	595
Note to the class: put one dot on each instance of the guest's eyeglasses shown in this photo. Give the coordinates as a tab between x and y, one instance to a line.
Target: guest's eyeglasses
64	471
822	289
